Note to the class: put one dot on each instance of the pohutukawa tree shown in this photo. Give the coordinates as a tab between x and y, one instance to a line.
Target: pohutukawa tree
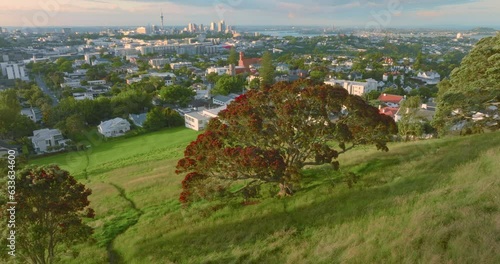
50	213
269	135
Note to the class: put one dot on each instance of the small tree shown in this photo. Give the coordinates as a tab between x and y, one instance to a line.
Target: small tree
177	94
228	84
410	125
233	56
51	207
158	118
267	70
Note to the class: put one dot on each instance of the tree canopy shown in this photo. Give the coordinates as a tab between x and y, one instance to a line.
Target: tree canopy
177	94
227	84
52	205
269	135
473	88
13	124
158	118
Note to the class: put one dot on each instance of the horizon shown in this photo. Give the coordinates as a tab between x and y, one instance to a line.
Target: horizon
320	13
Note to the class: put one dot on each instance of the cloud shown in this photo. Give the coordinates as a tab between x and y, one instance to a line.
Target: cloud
319	12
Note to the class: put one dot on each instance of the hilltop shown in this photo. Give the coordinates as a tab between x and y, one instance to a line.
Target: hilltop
432	201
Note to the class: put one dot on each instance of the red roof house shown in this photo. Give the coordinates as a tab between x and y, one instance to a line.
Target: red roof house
391	99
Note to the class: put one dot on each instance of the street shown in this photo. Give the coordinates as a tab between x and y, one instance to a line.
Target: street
46	90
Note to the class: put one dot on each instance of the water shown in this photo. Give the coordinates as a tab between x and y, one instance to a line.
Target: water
285	33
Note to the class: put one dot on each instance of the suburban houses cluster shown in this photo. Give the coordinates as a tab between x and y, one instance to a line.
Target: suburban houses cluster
100	64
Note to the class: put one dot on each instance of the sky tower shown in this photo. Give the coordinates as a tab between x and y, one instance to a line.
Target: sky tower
162	28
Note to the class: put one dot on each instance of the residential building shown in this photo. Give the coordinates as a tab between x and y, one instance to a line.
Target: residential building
159	62
114	127
282	67
391	100
34	113
14	71
5	147
424	113
389	111
139	119
199	120
83	96
97	82
218	70
356	88
48	140
222	100
178	65
429	77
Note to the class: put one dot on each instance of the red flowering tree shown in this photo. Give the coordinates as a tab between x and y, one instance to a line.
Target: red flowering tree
51	206
269	135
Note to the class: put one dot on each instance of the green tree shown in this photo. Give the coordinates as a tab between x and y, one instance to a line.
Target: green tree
317	76
473	88
155	119
410	125
267	70
228	84
13	125
130	102
233	56
213	77
254	84
49	219
417	65
176	94
158	118
267	136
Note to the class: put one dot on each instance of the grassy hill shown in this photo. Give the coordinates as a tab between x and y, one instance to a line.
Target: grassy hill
433	201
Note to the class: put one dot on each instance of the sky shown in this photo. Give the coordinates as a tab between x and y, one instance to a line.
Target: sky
339	13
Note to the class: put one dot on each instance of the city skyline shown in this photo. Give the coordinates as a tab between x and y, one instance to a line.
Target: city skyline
342	13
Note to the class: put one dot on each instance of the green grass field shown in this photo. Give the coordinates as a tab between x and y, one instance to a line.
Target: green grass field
433	201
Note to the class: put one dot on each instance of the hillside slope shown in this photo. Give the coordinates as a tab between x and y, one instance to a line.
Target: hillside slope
433	201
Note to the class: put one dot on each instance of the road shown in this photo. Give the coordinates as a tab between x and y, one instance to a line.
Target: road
46	90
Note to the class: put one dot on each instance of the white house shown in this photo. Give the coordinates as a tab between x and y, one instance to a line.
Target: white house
196	121
429	77
47	140
199	120
114	127
97	82
219	70
83	96
356	88
178	65
282	67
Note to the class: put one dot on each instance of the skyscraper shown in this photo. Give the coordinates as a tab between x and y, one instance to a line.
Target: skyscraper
222	26
212	26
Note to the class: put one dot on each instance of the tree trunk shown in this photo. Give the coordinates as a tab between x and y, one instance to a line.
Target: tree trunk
285	190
